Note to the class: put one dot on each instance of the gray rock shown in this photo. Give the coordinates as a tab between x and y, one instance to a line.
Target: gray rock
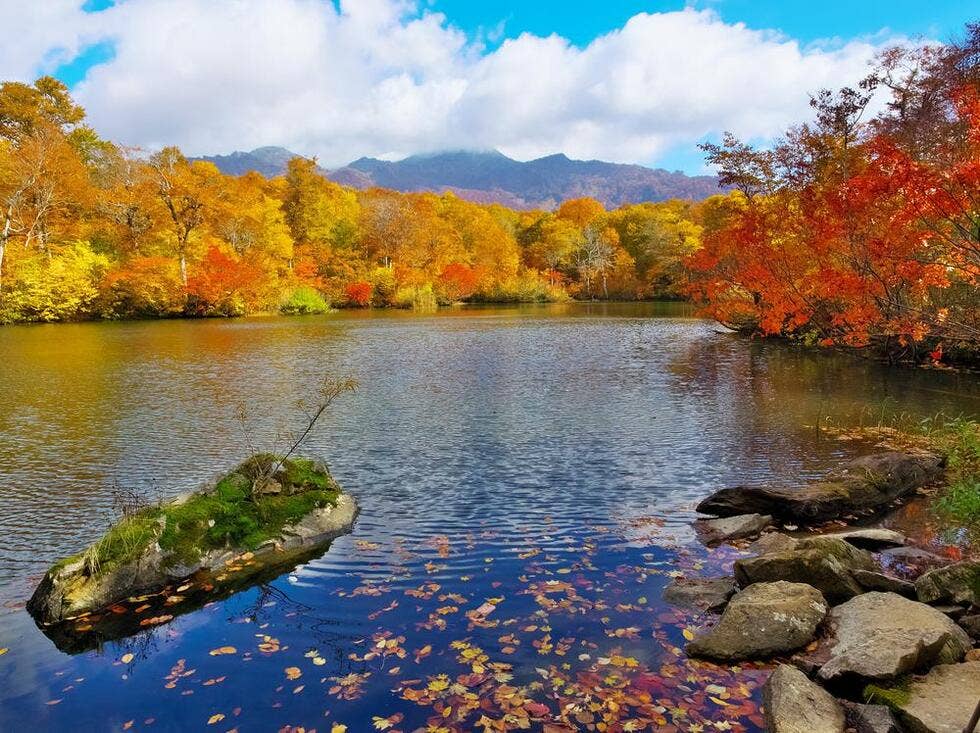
959	583
870	482
971	625
879	636
795	704
871	538
870	580
704	594
913	556
870	718
772	542
823	562
715	531
942	701
763	620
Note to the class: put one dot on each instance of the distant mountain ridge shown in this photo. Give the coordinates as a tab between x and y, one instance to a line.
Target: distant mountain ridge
492	177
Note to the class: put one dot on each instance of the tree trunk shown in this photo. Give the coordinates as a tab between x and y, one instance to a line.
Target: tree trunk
183	269
4	238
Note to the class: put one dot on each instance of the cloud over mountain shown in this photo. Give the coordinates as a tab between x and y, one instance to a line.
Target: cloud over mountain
387	78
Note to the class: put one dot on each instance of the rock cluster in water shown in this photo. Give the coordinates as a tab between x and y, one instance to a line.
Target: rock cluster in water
264	514
852	632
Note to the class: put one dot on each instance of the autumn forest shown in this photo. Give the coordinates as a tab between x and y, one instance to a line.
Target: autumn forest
860	227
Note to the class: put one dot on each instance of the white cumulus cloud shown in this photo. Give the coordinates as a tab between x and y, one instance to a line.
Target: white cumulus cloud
388	78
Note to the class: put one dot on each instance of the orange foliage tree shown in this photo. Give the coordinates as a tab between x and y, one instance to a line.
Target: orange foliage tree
858	233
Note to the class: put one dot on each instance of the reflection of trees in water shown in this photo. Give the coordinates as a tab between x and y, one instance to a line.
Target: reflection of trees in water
768	398
331	644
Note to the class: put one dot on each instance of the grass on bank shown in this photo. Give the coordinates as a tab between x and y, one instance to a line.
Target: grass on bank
960	441
957	438
231	514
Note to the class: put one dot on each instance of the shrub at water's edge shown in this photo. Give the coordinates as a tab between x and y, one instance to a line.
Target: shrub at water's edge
269	506
960	500
303	300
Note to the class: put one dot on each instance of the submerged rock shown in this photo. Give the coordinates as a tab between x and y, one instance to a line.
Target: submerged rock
870	580
795	704
763	620
715	531
942	701
200	534
705	594
870	482
958	583
823	562
879	636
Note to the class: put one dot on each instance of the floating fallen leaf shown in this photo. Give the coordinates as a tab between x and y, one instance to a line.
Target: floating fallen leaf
216	718
126	658
293	673
688	634
222	650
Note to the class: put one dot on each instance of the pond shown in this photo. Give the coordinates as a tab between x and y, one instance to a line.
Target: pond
527	476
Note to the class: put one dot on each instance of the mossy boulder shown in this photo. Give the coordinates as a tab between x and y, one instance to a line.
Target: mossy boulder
202	532
957	583
941	701
826	563
763	620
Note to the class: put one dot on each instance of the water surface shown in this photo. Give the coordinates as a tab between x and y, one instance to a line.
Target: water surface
543	460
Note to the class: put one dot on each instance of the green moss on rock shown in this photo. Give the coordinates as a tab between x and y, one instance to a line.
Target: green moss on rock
228	515
894	697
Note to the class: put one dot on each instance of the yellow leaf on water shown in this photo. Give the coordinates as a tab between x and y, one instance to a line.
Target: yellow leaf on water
688	634
293	673
216	718
338	728
222	650
3	651
719	701
126	658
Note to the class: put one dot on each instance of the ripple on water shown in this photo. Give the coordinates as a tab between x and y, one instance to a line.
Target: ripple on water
493	453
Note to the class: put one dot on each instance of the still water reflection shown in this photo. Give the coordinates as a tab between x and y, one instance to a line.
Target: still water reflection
478	436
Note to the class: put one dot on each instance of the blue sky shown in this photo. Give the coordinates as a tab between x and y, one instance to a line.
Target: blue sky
581	21
213	76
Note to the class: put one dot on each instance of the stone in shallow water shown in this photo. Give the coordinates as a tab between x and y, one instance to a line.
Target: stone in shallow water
795	704
870	580
705	594
879	636
871	538
959	583
823	562
763	620
942	701
714	531
870	482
